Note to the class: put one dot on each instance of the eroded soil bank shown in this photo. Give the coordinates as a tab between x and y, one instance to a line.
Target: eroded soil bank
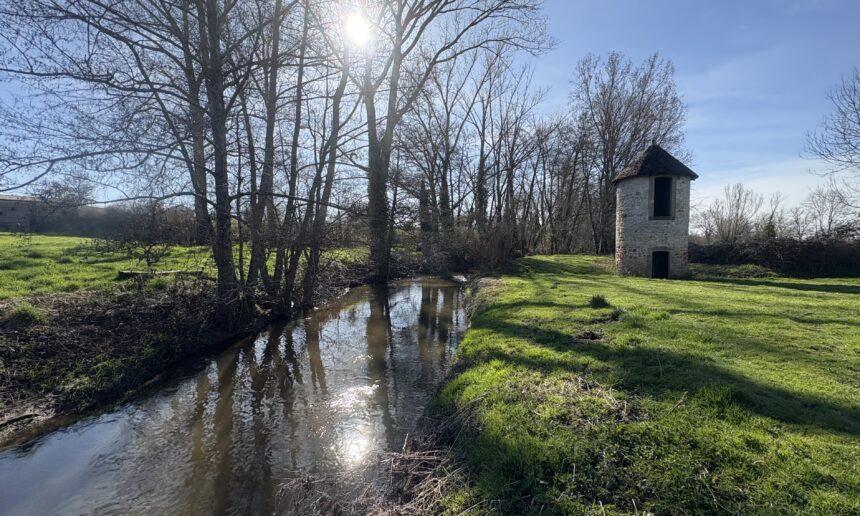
64	354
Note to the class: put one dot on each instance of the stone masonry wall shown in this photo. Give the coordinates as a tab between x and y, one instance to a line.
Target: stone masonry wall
637	234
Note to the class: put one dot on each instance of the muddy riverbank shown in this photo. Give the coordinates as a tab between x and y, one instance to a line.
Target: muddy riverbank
88	349
68	354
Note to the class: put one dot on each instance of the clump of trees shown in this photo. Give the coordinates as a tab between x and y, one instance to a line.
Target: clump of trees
256	112
831	212
67	206
494	180
820	236
742	215
289	125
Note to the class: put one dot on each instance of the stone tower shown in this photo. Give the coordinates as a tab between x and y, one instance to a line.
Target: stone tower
652	215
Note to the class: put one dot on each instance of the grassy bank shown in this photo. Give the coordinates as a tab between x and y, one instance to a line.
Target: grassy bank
579	391
50	264
44	264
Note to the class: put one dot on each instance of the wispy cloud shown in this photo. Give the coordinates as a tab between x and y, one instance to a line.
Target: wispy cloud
748	77
793	178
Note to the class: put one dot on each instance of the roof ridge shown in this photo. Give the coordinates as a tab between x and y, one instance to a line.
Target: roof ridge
655	160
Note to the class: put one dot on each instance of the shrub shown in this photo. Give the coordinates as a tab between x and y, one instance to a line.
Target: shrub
805	258
746	270
446	253
598	301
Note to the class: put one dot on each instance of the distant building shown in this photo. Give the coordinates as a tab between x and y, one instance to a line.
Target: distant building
652	217
17	213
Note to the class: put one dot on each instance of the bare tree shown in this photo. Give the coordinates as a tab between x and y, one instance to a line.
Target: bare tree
127	77
771	221
731	218
828	210
797	224
413	38
143	97
837	140
68	192
628	107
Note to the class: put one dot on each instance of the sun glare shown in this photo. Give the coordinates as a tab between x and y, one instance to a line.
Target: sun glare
357	30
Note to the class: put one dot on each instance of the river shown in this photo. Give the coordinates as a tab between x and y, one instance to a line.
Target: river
315	396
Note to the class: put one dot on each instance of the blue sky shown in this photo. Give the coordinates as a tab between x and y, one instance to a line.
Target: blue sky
754	74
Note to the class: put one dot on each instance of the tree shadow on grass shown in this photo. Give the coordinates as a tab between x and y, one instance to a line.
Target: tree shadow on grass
752	314
694	308
528	303
537	267
812	287
541	266
659	372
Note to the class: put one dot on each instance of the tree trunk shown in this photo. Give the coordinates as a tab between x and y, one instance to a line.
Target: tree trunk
377	209
264	201
481	179
202	220
222	245
289	281
424	221
378	161
312	270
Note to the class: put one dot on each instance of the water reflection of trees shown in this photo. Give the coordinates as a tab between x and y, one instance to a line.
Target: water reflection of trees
378	339
223	426
256	413
313	332
435	325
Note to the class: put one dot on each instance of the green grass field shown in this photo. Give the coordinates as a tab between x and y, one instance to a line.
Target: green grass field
681	397
50	264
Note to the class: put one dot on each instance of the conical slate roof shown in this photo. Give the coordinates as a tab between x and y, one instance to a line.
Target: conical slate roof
655	161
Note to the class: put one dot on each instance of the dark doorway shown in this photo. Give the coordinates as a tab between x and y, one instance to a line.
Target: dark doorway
662	196
660	264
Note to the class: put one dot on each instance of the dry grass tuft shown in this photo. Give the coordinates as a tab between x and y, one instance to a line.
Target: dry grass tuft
410	482
589	335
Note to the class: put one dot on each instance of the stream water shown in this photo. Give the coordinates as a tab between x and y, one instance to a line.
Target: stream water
311	397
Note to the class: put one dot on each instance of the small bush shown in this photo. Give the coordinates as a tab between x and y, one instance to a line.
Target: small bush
598	301
23	316
615	316
34	254
159	283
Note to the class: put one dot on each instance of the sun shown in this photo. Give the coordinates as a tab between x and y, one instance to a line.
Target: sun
357	30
